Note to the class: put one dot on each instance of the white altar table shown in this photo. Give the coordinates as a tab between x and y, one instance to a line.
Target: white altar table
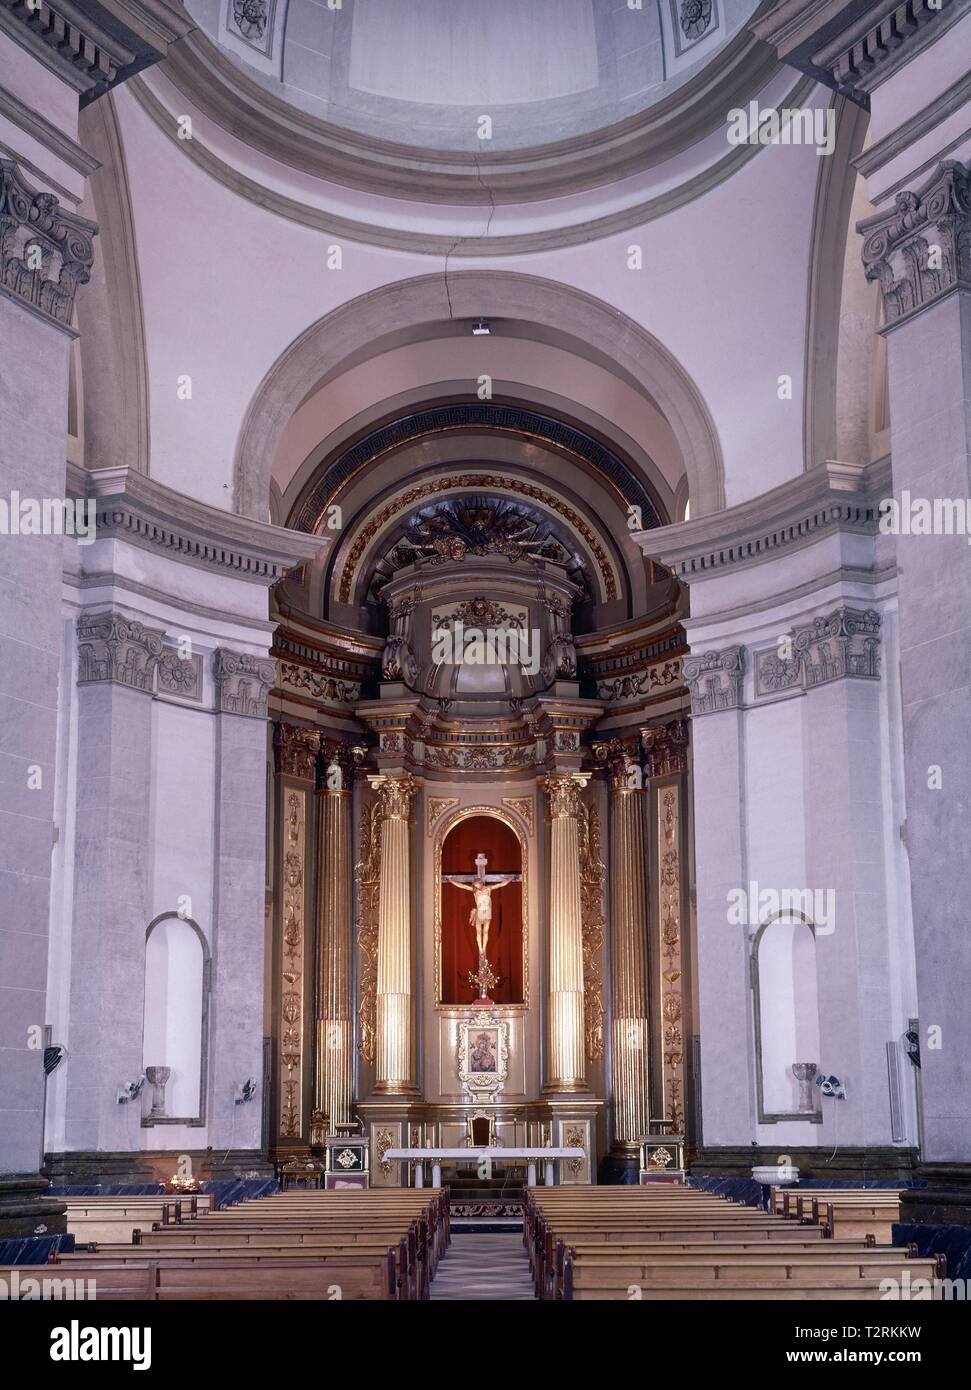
532	1157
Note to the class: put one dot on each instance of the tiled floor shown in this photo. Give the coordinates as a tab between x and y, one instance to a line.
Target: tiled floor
484	1267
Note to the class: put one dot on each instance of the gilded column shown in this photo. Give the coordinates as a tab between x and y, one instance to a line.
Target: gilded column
630	1040
334	1030
566	1064
395	1063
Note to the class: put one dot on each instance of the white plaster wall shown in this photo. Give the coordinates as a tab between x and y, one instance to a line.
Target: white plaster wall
227	286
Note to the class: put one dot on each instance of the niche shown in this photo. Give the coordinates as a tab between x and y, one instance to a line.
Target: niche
786	1018
176	1026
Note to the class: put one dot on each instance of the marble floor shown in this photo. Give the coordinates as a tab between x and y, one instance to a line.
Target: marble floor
484	1267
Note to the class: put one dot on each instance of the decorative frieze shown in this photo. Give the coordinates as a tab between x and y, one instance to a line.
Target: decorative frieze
846	643
661	676
180	675
243	682
484	758
920	249
714	679
317	685
45	253
115	649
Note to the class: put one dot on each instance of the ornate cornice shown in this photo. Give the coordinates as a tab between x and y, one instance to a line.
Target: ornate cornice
829	497
920	249
714	679
853	47
243	682
93	47
45	253
135	508
117	650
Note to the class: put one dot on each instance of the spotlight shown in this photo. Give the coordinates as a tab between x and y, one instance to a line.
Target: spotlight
480	328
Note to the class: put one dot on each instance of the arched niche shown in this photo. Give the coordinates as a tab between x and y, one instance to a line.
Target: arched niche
176	1020
785	998
473	831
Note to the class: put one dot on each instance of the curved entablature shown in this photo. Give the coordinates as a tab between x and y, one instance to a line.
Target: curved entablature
311	510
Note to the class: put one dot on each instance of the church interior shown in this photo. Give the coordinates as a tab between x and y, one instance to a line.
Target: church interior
486	680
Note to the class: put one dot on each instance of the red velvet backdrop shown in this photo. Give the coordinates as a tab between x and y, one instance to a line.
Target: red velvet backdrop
499	844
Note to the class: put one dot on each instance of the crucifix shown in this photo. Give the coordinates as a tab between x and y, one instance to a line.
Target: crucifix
482	886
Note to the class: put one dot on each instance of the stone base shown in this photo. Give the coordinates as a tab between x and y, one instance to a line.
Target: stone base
25	1211
945	1201
849	1165
89	1169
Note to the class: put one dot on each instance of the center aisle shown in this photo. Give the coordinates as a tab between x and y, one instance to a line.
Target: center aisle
484	1267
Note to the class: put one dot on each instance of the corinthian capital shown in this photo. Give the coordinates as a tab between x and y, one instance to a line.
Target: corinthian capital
243	682
396	795
920	249
45	253
563	790
714	679
115	649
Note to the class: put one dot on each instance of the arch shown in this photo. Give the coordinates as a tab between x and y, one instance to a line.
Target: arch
189	977
499	295
784	1023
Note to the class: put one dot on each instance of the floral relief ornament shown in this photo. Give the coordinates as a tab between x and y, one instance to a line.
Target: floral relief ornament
695	17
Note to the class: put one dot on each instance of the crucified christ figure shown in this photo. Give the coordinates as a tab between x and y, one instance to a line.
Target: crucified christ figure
480	918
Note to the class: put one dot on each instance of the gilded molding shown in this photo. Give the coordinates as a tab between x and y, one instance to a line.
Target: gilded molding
243	682
117	650
714	679
661	676
671	982
367	879
45	253
920	250
594	924
327	689
292	964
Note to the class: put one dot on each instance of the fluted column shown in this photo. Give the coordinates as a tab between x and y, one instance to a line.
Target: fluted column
395	1062
628	953
565	1065
335	1056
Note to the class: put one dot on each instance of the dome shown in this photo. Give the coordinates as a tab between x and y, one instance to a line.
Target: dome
453	76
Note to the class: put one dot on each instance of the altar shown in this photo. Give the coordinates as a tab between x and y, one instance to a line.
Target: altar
532	1157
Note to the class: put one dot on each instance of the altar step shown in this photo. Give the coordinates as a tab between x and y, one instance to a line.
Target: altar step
496	1201
483	1267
